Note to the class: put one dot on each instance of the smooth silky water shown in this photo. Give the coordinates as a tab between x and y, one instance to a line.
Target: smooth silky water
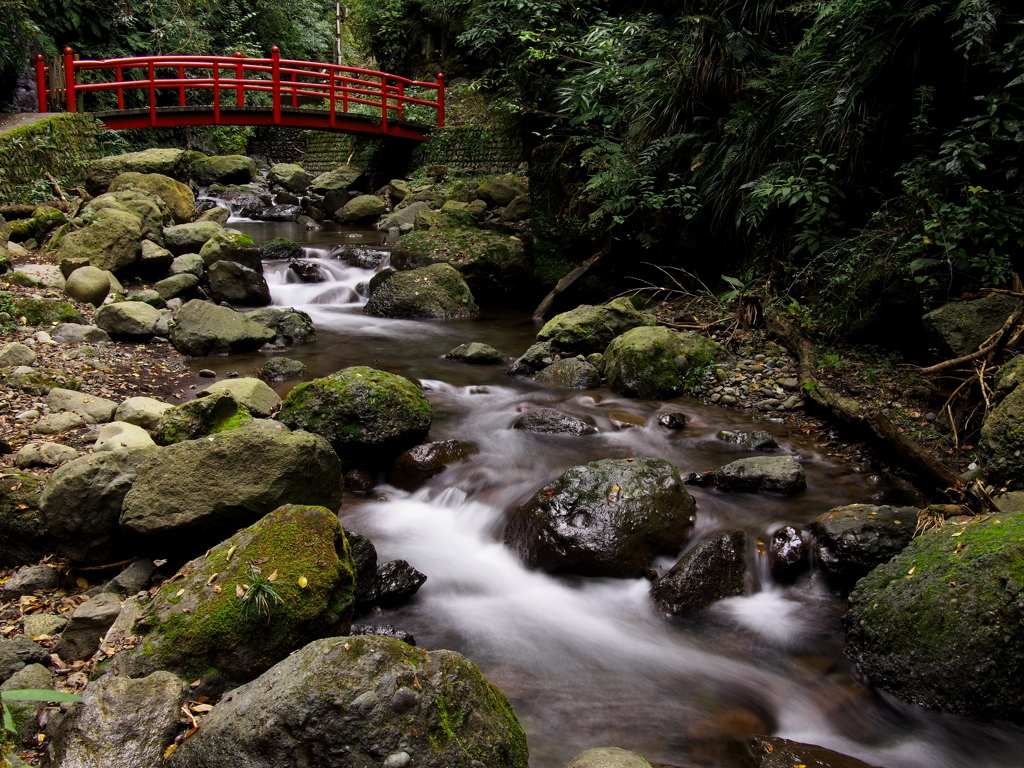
589	662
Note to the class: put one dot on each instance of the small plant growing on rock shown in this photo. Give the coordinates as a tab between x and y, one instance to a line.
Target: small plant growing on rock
31	694
259	595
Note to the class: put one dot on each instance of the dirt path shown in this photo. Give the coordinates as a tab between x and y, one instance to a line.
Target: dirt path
9	121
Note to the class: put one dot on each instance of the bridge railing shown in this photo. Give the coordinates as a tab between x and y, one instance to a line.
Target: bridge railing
226	82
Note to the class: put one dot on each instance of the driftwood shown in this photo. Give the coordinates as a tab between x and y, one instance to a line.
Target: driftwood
1008	335
930	474
545	306
26	211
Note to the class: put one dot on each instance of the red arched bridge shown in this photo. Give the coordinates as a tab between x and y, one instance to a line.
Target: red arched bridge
170	91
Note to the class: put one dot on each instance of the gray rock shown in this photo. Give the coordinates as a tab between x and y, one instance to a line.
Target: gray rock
122	722
147	296
608	757
551	422
231	245
759	440
190	238
88	284
476	353
217	412
281	368
434	292
129	320
352	696
29	580
361	208
218	213
73	333
760	474
1001	447
188	264
135	577
852	540
81	638
25	714
110	241
119	435
960	327
290	326
96	410
143	412
259	399
37	624
169	162
341	177
224	169
202	328
290	176
501	190
606	518
570	372
711	570
154	259
81	503
237	284
192	494
55	423
538	356
44	455
15	354
176	285
403	217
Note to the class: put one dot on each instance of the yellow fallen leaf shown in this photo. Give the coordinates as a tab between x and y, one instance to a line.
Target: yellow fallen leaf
217	589
303	582
911	571
231	551
82	582
272	577
170	750
179	593
209	581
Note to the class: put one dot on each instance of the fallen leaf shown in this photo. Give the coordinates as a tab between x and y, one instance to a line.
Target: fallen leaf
210	580
303	582
179	593
170	750
272	577
82	582
911	571
239	592
231	551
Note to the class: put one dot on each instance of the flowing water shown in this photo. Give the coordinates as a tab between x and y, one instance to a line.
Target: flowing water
588	662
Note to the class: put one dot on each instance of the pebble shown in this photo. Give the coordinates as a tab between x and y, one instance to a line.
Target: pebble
206	373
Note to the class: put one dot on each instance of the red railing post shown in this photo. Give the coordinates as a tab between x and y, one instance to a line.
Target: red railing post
239	75
181	88
401	100
119	73
275	69
383	103
440	100
295	90
152	93
334	117
216	93
69	79
344	94
41	83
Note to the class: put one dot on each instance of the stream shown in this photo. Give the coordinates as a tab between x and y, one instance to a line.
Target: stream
588	662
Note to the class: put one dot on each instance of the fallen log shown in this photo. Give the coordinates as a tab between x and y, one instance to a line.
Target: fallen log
929	473
24	211
545	306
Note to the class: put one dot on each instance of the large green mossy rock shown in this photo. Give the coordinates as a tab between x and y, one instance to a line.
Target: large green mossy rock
224	169
590	328
23	535
437	292
940	625
197	418
605	518
960	327
111	241
495	266
367	415
341	177
501	190
203	328
290	326
44	311
191	237
657	362
192	494
202	621
153	215
177	198
360	702
168	162
231	245
1001	447
292	177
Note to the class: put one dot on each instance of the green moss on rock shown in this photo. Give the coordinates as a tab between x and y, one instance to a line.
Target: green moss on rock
45	311
658	362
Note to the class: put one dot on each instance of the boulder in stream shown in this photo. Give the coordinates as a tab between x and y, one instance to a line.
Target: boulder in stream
552	422
605	518
237	284
713	569
572	372
476	353
217	412
290	326
437	292
203	328
224	169
367	415
417	465
361	701
251	600
657	362
590	328
757	474
939	625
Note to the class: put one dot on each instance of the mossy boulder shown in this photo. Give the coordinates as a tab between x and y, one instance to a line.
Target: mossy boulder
1001	447
177	198
290	326
570	372
150	210
361	208
605	518
657	362
437	292
168	162
590	328
190	495
367	415
231	245
203	328
190	238
88	284
23	535
259	399
495	266
45	311
224	169
207	618
342	177
43	220
110	240
373	700
940	624
960	327
237	284
501	190
292	177
200	417
128	320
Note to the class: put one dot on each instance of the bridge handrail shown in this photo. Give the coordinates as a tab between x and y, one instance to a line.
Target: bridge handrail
323	81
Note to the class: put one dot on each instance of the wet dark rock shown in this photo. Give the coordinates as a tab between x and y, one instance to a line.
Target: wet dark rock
960	327
476	353
23	534
397	581
606	518
290	326
551	422
280	249
759	440
279	213
673	420
237	284
713	569
437	292
538	356
852	540
570	372
19	652
759	474
29	580
281	368
135	577
420	463
776	752
307	271
939	625
788	553
364	555
359	481
361	256
383	630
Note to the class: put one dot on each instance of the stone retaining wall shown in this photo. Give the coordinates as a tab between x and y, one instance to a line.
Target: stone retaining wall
61	145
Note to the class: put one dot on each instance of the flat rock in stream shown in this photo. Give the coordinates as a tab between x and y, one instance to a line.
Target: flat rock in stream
776	752
606	518
551	422
758	474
